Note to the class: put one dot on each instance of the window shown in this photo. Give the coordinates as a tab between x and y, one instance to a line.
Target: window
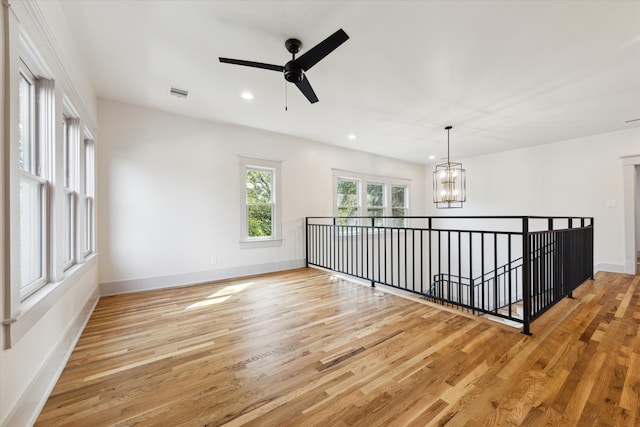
260	203
375	201
399	205
347	192
260	206
70	167
88	186
33	191
380	197
44	180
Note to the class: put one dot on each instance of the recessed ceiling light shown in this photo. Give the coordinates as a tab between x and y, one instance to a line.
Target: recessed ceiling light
431	157
247	95
352	136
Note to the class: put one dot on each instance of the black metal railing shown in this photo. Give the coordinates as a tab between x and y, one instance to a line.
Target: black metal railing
510	267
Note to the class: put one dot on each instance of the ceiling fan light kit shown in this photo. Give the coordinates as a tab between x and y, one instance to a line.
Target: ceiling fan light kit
449	183
294	70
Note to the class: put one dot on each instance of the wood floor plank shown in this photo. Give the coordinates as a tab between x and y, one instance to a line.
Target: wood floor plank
306	348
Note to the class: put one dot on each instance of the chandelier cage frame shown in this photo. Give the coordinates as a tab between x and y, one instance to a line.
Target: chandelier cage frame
449	182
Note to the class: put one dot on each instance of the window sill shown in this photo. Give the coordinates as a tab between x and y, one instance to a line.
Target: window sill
34	307
266	243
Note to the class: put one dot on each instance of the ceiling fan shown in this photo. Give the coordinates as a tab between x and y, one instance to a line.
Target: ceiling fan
294	70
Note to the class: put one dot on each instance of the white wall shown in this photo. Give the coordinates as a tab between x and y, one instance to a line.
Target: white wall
570	178
170	195
44	332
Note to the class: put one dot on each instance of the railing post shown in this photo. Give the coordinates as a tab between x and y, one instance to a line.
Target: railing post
526	277
572	238
593	229
430	280
306	241
334	245
373	224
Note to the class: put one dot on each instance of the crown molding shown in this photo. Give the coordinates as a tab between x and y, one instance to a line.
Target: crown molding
40	22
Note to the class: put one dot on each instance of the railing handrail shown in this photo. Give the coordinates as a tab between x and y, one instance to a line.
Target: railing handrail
452	217
431	218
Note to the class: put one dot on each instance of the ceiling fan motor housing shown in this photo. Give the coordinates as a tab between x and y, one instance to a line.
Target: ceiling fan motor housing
292	72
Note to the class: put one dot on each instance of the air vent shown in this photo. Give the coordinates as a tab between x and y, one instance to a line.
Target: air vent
180	93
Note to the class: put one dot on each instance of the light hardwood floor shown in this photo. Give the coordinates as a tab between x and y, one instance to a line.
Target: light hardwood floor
302	348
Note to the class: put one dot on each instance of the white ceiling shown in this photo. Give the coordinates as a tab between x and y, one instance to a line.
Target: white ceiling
505	74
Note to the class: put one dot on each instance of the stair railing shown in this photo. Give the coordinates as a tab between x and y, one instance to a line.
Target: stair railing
436	256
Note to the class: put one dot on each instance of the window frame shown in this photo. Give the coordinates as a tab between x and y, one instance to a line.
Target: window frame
358	206
270	203
88	196
70	166
383	206
35	173
251	163
404	207
363	181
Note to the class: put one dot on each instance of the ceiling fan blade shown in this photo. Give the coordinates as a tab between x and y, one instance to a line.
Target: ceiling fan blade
322	49
252	64
307	90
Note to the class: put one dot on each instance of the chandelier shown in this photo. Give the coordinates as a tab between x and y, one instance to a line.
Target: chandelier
449	183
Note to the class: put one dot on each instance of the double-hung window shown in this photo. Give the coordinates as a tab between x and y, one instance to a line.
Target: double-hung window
34	140
348	200
376	201
399	204
261	218
370	196
260	202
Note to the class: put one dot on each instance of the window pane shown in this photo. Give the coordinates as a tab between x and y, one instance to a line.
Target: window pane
375	212
259	185
24	127
398	197
347	193
89	205
347	212
398	222
260	219
398	212
68	235
88	168
375	195
31	231
66	153
88	232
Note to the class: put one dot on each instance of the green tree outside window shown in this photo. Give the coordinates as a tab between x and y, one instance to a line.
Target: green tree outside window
260	202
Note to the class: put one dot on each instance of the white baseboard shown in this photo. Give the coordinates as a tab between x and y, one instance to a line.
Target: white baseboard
611	268
185	279
33	400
